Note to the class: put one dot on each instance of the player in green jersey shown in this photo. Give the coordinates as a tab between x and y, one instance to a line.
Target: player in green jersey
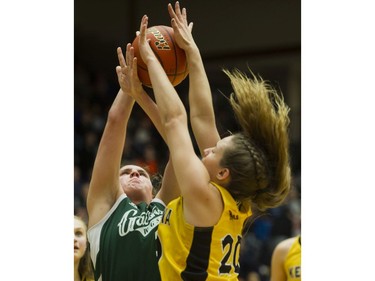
123	215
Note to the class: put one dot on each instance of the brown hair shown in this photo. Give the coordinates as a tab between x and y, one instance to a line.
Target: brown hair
259	158
85	269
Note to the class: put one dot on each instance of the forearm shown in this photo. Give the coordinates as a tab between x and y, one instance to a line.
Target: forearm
167	99
104	183
121	108
202	116
113	139
110	150
199	87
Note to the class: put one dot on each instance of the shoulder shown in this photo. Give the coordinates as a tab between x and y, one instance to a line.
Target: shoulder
228	200
157	202
284	246
221	192
156	207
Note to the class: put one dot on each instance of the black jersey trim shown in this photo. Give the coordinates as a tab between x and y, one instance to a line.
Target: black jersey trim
199	255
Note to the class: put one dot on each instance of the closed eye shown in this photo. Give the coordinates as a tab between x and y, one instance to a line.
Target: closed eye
125	172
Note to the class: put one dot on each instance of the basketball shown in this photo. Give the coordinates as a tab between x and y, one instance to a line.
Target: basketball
171	57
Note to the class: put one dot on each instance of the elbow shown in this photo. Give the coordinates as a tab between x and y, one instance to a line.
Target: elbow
116	116
113	117
171	121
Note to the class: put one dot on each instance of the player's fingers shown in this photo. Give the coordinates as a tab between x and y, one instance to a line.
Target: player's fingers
120	56
134	67
125	70
143	27
131	50
177	9
191	27
128	54
171	12
184	15
118	71
174	24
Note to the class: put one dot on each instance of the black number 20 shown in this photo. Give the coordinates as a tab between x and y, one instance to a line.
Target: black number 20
230	250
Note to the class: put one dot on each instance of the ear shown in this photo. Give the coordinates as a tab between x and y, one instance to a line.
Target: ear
223	174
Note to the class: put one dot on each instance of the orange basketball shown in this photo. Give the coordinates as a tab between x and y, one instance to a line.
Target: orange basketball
170	55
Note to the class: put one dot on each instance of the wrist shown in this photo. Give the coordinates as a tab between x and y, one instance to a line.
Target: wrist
191	49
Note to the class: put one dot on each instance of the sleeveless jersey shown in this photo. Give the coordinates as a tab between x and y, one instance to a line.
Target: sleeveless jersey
123	244
292	264
201	253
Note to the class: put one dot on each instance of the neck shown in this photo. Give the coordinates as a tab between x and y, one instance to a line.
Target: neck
76	273
137	198
136	202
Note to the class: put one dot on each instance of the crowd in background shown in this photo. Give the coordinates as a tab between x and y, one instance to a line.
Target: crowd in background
94	93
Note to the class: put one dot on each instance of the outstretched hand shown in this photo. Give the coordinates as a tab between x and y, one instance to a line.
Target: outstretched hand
182	30
127	72
144	46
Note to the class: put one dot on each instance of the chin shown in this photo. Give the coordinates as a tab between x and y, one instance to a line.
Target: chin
137	194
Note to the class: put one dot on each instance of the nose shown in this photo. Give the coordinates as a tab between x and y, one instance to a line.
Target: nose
134	173
206	152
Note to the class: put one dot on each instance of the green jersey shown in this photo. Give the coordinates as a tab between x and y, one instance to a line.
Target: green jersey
123	244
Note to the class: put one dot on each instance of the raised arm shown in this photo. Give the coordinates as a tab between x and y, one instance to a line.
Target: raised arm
104	185
169	189
202	115
191	174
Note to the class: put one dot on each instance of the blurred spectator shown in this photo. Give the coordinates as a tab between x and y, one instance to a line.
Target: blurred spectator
82	263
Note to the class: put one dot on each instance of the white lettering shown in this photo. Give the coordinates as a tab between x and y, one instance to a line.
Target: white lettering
143	222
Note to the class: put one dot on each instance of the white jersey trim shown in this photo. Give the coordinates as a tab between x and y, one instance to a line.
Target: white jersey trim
93	234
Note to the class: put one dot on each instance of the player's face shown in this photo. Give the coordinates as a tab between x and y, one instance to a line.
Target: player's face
134	178
213	155
80	242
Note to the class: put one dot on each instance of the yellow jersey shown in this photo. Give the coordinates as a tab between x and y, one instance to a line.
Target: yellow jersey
201	253
292	264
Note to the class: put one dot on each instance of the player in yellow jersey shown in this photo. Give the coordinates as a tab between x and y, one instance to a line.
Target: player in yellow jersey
200	232
286	260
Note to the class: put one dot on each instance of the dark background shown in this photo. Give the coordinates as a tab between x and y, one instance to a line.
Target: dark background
263	35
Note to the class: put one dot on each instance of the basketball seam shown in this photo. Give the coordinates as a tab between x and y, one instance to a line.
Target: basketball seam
175	53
